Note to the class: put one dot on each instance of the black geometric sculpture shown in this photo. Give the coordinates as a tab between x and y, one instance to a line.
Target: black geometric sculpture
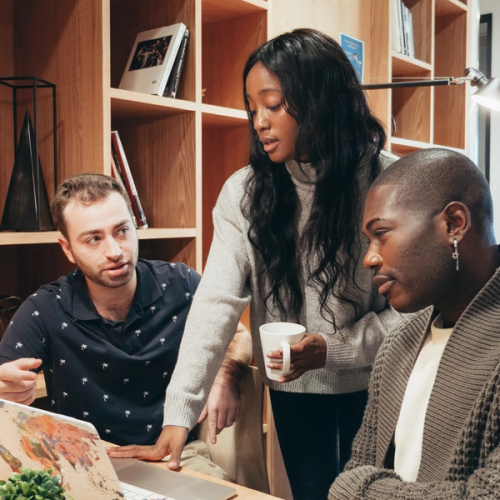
27	205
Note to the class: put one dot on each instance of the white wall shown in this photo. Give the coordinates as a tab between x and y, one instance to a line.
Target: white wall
493	7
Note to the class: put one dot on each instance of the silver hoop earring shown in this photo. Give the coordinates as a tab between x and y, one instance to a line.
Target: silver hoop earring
454	255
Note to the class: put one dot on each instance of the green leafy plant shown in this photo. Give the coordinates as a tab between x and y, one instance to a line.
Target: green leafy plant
32	485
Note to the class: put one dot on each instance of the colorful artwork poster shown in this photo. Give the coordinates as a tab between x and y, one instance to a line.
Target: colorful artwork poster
354	50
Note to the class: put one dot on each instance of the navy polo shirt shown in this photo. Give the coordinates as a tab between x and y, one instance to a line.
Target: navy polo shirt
113	374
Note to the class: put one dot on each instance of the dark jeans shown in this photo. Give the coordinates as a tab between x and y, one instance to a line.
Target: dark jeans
315	432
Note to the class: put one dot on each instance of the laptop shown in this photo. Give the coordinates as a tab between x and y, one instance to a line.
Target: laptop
38	439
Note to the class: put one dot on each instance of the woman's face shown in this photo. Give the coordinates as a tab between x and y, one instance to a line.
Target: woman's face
276	128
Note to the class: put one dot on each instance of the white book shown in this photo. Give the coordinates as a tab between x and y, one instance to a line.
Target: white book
410	35
151	59
400	26
405	29
396	41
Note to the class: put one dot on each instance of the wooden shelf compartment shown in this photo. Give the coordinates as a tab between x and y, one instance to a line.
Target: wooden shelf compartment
130	17
403	65
450	60
445	7
402	147
61	42
170	250
125	103
411	110
217	115
229	42
161	154
219	10
225	149
423	22
26	267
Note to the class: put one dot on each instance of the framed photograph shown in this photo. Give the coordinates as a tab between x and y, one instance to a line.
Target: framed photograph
151	59
354	50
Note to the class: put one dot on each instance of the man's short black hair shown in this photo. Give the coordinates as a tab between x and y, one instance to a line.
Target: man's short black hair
432	178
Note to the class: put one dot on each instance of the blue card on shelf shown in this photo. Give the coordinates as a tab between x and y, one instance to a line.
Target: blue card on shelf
355	53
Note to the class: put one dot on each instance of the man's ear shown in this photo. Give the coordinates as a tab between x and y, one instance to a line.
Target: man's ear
457	221
66	248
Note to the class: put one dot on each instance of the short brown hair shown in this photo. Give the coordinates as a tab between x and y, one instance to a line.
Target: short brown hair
87	189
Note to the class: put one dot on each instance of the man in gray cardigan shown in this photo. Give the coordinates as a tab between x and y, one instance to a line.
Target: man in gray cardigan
431	427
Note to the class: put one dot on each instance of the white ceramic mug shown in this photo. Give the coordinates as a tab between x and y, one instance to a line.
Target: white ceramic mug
276	335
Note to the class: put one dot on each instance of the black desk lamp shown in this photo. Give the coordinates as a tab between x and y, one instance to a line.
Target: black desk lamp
487	94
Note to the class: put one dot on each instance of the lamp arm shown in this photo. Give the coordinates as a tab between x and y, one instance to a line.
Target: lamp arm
418	83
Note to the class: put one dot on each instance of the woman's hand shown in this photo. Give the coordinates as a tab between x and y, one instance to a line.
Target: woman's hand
308	354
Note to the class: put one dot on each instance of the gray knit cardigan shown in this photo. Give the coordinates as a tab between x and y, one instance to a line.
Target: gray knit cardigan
232	279
460	452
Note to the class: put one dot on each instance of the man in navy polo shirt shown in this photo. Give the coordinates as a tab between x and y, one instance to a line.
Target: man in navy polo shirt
108	334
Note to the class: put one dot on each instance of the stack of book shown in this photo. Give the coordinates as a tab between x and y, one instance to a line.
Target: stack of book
402	29
120	170
156	60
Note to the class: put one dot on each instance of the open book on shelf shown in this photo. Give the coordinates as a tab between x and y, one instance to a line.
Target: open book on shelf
120	169
152	59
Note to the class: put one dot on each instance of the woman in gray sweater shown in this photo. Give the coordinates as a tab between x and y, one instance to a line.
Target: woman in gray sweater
287	241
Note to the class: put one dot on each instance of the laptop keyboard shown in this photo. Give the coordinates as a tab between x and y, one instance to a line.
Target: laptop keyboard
134	493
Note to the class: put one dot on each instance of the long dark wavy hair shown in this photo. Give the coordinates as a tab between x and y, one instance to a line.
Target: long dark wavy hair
321	91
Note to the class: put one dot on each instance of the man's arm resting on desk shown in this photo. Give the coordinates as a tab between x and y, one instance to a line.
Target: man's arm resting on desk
222	407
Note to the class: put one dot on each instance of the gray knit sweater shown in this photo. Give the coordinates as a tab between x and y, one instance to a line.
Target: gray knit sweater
460	449
231	281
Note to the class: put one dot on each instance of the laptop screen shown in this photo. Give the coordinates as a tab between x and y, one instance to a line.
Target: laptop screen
37	439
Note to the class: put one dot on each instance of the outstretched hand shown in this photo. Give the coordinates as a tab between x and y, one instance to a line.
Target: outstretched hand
308	354
171	442
222	408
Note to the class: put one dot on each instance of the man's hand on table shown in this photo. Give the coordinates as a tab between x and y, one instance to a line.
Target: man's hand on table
171	442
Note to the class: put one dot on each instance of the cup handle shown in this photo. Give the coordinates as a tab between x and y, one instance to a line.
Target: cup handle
286	358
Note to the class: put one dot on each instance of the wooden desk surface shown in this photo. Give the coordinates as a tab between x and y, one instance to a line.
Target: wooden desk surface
242	493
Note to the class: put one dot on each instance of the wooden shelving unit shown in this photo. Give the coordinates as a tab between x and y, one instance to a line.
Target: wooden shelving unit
431	116
180	150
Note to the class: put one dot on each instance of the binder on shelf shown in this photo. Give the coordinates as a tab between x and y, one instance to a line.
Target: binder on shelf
124	168
175	75
152	58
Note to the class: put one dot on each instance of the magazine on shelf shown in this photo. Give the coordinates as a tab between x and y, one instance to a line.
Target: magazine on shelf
116	174
124	168
175	74
152	58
